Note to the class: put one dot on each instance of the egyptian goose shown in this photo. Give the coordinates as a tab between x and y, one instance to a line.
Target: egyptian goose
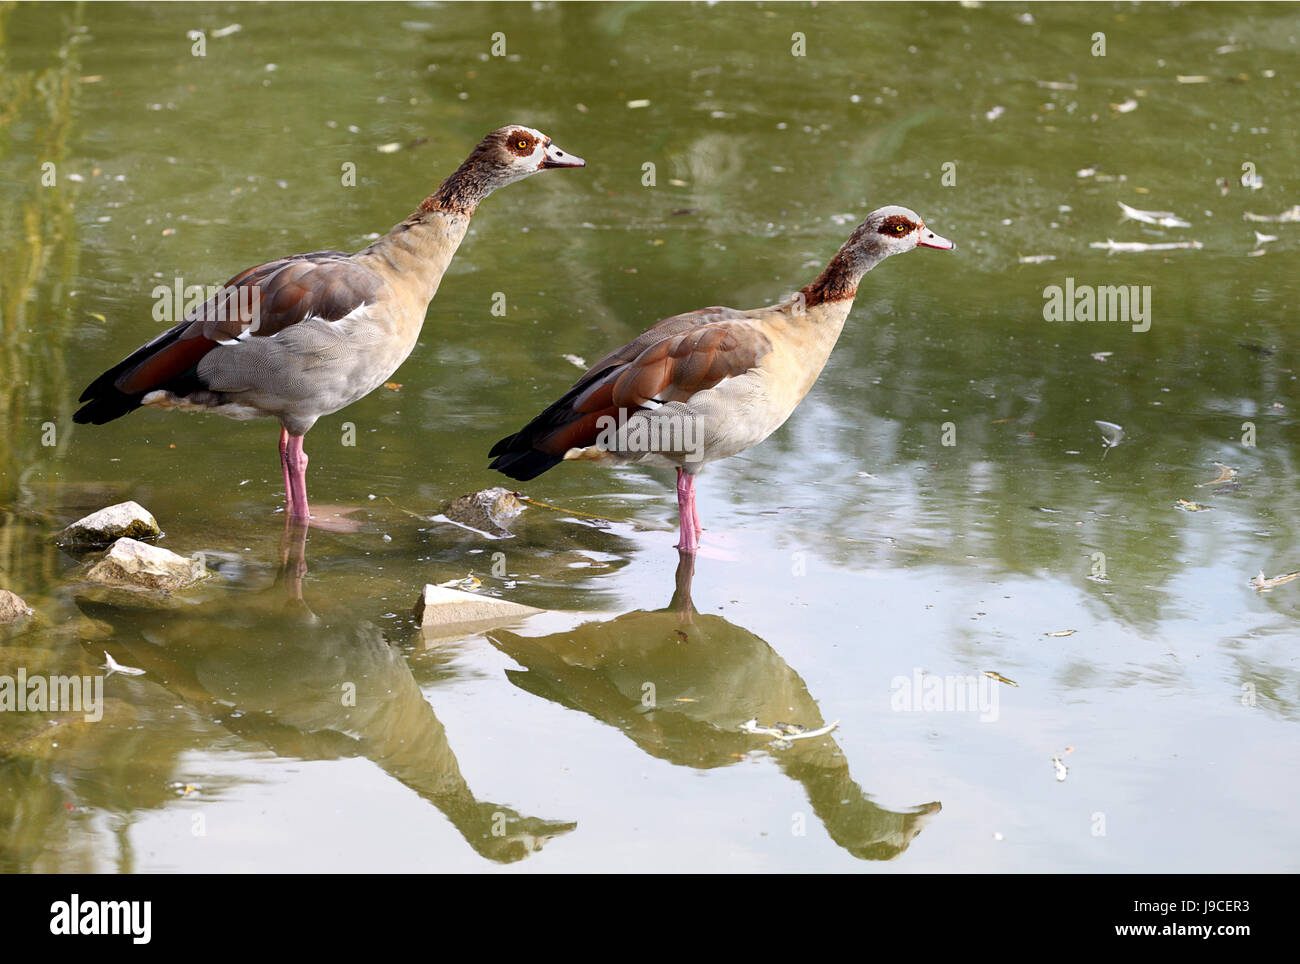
304	336
707	384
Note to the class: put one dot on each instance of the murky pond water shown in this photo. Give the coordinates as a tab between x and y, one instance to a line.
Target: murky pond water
941	506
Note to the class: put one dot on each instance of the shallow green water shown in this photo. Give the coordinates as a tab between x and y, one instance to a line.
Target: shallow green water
850	551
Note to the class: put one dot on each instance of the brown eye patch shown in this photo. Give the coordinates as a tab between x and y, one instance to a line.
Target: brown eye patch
521	143
896	225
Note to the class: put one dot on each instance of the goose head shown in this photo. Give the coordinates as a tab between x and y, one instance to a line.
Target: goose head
894	229
512	153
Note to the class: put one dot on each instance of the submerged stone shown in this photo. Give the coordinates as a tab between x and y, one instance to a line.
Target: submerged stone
126	520
488	510
135	565
12	607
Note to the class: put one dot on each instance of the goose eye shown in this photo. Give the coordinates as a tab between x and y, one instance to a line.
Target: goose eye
900	229
522	145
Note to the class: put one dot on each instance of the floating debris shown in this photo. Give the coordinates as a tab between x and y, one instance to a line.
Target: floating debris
1226	472
1264	238
1133	246
226	31
1193	79
1111	435
1191	506
1289	216
634	104
993	113
1127	107
1166	219
1063	632
784	733
1101	355
1000	678
1264	584
575	360
390	148
1036	258
113	666
468	584
1062	771
1057	84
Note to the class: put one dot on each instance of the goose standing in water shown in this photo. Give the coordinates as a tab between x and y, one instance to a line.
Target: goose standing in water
304	336
705	385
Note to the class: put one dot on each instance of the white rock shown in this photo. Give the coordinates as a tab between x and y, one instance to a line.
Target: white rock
447	611
139	566
128	520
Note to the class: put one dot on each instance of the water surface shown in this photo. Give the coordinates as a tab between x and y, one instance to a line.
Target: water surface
850	551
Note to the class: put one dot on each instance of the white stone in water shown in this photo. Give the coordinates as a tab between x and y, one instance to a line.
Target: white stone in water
449	611
135	565
128	520
12	607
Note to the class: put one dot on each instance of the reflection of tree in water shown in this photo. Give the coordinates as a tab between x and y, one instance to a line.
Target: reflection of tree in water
707	677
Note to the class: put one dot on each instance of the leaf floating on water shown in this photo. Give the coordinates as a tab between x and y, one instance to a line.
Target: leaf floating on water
1191	506
1000	678
113	666
1263	584
1135	246
1290	215
468	584
783	733
1226	472
1062	771
1111	435
1166	219
1063	632
393	386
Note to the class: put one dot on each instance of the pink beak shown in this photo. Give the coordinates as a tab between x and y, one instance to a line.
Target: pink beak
931	240
554	157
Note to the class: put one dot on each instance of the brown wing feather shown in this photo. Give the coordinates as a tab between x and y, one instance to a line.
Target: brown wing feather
258	302
671	362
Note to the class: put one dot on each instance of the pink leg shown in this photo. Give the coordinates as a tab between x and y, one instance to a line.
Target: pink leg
284	464
296	469
688	521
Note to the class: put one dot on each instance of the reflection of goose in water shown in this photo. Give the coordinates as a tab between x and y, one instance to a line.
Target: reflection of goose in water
708	676
293	697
